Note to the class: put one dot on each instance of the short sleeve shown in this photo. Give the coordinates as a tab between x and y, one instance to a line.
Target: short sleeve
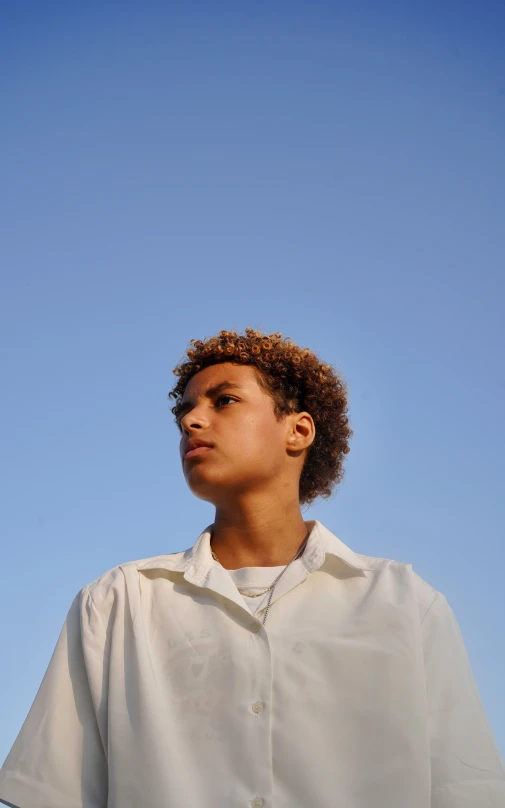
466	767
58	759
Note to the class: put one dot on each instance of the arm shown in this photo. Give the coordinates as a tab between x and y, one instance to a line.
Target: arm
466	768
58	758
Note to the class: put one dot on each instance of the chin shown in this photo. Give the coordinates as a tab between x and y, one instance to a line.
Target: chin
203	485
212	487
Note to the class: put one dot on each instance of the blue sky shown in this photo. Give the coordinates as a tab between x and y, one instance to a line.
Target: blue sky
333	172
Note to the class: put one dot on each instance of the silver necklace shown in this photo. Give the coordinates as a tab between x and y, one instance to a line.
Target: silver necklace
258	595
272	587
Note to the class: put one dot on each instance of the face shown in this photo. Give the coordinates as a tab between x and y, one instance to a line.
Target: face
226	408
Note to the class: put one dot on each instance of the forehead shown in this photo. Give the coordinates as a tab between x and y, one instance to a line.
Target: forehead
243	375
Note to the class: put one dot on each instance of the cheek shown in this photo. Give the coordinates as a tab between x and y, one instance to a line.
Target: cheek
259	443
248	452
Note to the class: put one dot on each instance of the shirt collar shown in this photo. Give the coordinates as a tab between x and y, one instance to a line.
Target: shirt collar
322	542
196	563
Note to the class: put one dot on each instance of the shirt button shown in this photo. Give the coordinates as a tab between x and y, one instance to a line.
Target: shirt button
257	802
256	628
258	708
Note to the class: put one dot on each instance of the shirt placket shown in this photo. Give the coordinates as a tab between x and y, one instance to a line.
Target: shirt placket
255	705
258	709
254	720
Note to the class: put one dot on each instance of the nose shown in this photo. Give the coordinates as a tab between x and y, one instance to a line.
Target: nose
195	419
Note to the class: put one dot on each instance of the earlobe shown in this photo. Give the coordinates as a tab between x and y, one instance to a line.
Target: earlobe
291	445
306	430
303	430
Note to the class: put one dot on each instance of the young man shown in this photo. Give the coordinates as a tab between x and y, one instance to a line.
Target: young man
269	664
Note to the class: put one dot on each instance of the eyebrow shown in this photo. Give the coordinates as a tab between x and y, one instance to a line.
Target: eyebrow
210	393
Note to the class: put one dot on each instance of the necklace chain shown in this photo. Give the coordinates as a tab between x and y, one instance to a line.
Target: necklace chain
272	587
214	556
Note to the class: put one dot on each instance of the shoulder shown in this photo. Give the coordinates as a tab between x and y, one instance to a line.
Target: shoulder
116	583
394	581
402	573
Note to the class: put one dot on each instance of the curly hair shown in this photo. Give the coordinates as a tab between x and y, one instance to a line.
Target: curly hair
297	381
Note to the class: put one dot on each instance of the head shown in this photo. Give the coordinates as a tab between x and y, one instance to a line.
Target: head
273	416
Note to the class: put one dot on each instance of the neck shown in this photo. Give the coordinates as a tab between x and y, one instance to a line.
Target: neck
258	534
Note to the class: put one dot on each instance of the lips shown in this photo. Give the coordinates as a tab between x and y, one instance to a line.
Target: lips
198	451
196	447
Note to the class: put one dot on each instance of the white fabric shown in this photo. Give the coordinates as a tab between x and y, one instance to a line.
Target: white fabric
164	691
251	580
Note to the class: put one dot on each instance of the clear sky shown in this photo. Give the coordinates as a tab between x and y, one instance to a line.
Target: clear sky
332	171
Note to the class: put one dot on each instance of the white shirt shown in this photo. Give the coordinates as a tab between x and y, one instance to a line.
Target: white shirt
165	691
254	580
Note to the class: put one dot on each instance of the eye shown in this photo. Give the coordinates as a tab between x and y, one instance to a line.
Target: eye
223	400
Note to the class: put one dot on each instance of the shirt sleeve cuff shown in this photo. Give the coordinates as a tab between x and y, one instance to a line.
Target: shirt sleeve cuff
19	792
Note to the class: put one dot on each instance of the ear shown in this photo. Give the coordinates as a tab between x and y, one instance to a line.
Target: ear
301	431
